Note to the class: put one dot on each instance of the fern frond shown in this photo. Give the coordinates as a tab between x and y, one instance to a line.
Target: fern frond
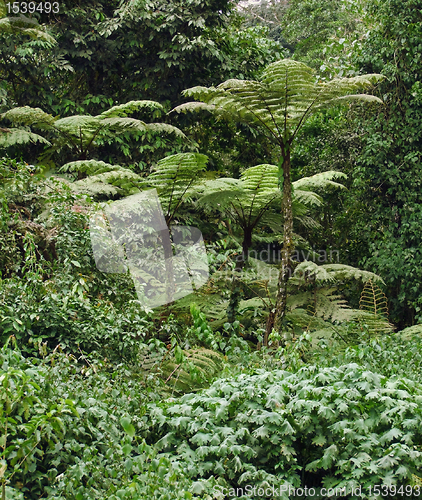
374	309
199	367
130	107
373	299
307	198
77	125
340	89
274	221
94	188
256	305
193	106
166	128
302	319
80	133
322	180
120	181
325	303
15	136
216	194
89	167
247	198
174	177
373	323
261	177
27	116
118	123
307	221
331	273
280	102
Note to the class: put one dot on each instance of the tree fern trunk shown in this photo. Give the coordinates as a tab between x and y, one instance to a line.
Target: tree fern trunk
168	255
269	325
236	286
288	246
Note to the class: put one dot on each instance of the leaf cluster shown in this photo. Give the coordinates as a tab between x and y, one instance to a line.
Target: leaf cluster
295	429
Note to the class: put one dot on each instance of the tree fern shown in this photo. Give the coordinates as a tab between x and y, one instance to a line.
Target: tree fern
195	369
23	25
279	104
374	309
325	302
253	200
174	177
80	134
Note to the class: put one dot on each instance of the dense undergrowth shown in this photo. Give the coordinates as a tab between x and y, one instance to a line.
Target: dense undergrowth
80	427
105	398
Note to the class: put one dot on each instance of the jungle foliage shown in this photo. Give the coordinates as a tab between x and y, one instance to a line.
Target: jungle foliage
297	362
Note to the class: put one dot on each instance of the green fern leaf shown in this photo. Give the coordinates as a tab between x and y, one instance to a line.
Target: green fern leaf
286	94
120	181
198	368
130	107
15	136
373	300
331	273
28	116
374	309
89	167
174	178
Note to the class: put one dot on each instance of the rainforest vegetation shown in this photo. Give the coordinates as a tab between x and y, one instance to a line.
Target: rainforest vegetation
210	249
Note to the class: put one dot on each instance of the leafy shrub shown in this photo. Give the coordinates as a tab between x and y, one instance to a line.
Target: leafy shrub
397	354
66	301
331	427
69	434
60	312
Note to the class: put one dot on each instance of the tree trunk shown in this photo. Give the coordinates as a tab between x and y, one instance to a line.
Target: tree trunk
236	286
269	326
168	255
288	246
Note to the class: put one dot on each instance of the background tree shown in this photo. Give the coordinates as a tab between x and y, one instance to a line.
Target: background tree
306	28
389	167
130	50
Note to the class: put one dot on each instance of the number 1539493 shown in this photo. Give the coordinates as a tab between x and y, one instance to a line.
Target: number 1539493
31	7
